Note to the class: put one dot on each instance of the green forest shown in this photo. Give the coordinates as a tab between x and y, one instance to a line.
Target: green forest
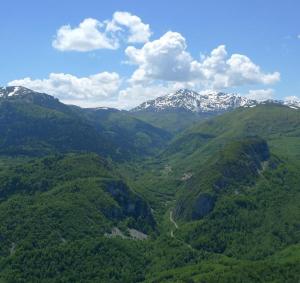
101	195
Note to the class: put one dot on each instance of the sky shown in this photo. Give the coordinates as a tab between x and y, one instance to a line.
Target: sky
120	53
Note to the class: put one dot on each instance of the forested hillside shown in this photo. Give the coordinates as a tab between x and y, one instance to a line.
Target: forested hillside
98	195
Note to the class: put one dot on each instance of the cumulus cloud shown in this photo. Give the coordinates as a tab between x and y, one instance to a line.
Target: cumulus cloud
92	34
241	70
162	66
167	59
260	94
139	32
136	94
164	59
89	35
68	88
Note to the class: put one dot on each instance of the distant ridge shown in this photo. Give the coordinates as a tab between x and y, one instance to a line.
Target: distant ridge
204	102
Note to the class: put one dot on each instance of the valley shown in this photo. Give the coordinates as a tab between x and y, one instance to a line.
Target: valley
214	200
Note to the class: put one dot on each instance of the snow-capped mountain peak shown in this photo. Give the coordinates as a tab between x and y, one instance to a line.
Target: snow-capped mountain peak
292	102
14	91
188	100
26	94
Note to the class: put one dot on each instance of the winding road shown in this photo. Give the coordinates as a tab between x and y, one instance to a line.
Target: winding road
177	227
172	221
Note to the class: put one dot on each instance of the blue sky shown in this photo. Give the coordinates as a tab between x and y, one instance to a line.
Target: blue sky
152	47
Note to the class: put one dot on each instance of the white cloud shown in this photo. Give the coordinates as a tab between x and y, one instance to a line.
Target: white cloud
241	70
164	59
167	59
221	71
260	94
136	94
86	37
163	65
139	32
93	89
92	34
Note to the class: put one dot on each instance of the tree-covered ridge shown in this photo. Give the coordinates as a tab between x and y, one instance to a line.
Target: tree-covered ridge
64	198
241	220
236	166
37	124
236	186
220	203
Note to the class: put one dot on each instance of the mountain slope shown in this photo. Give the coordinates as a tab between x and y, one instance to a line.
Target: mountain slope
237	182
236	166
61	212
172	121
130	134
36	124
220	203
277	124
177	111
232	184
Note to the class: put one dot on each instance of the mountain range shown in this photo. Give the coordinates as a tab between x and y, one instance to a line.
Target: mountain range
189	187
204	102
177	111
